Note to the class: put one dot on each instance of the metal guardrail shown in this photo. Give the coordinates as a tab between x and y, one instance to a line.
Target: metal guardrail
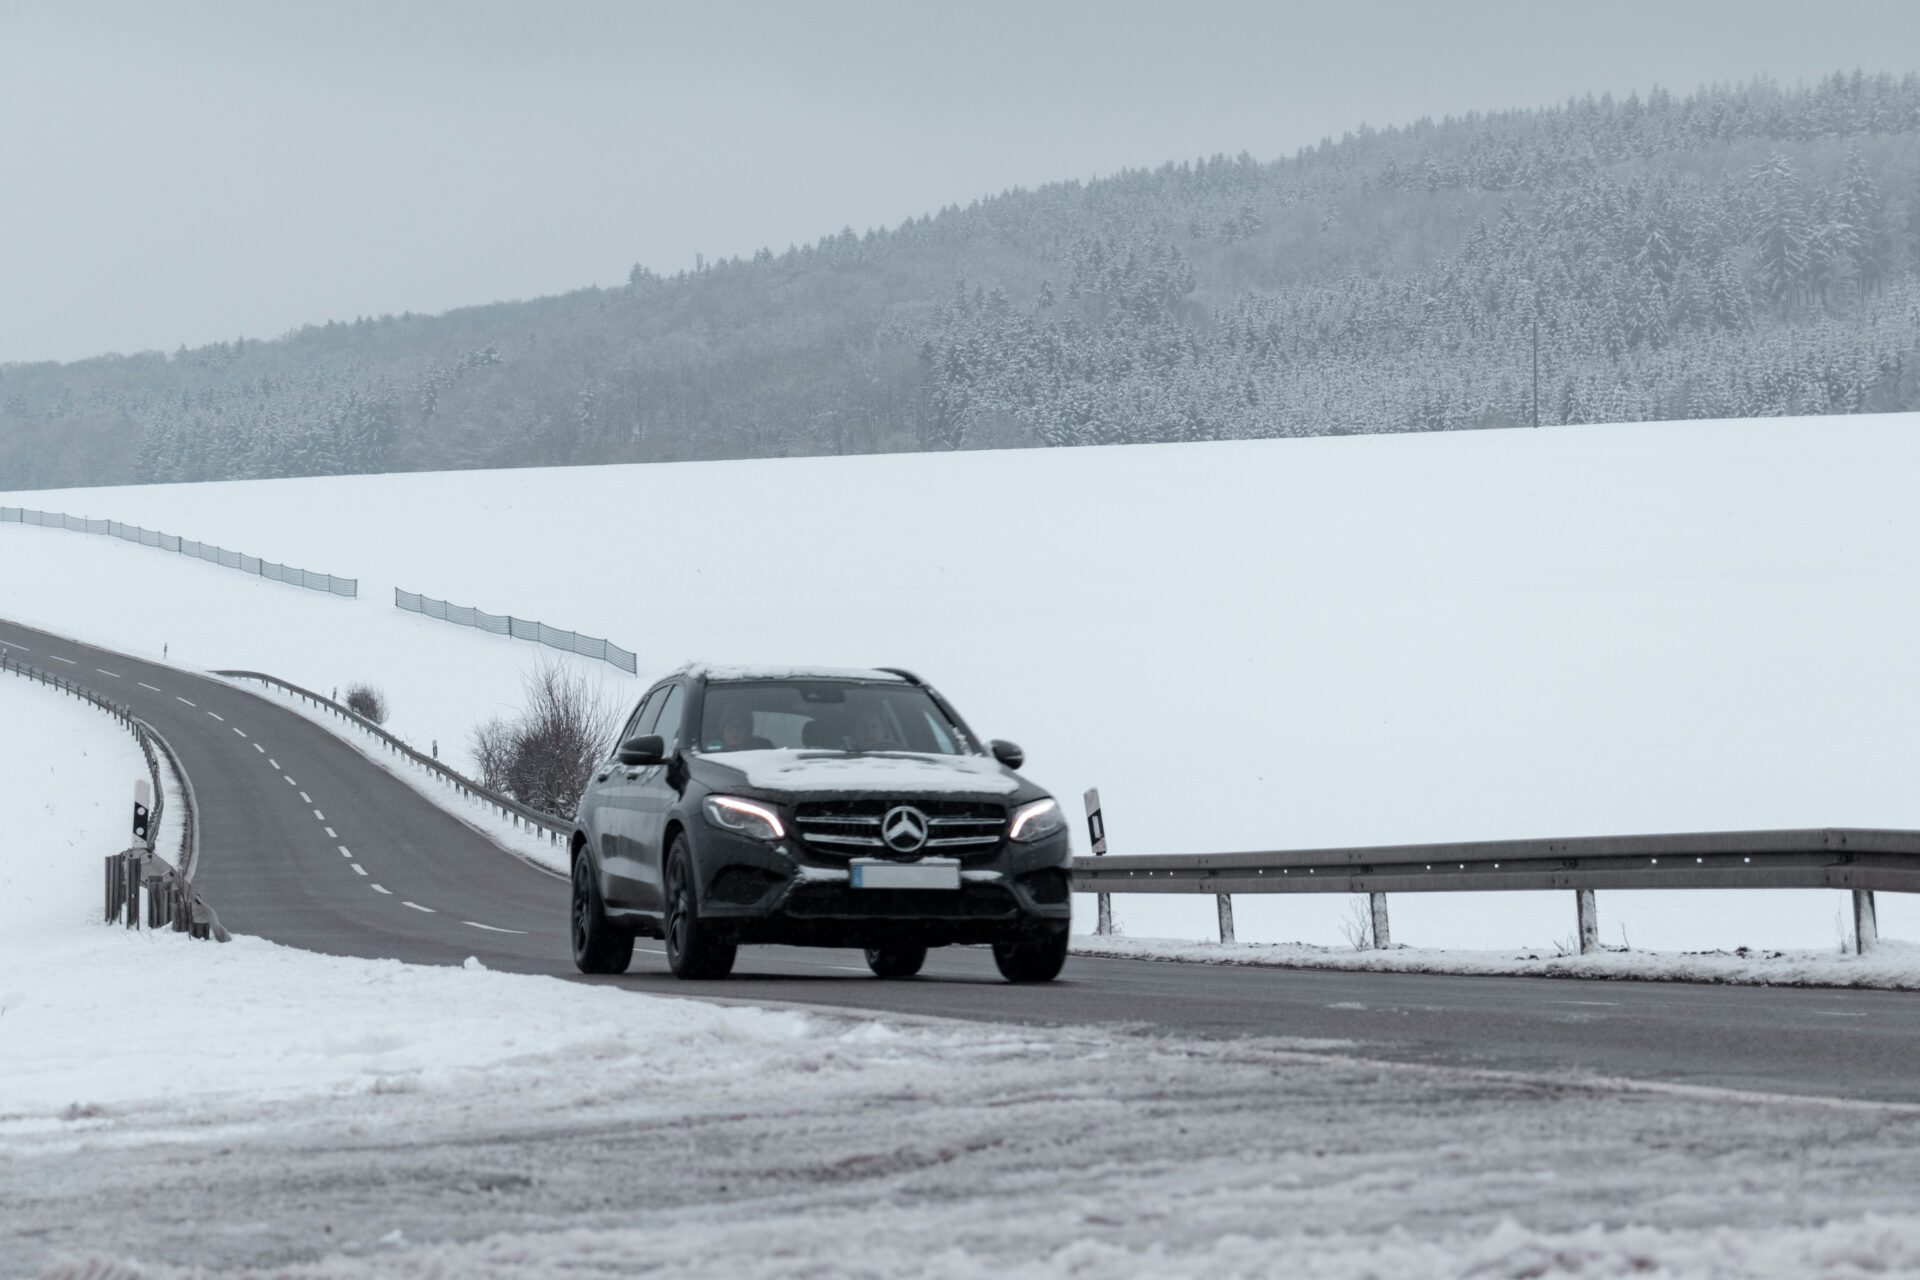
272	571
171	897
557	828
1861	860
519	628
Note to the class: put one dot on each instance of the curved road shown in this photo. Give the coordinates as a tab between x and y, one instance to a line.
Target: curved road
306	842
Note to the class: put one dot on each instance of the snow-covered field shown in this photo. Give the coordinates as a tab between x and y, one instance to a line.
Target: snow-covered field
1662	626
172	1108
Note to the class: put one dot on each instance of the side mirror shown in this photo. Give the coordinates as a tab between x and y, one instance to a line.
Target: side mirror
648	748
1007	753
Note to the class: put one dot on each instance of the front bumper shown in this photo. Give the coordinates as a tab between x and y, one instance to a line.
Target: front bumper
783	892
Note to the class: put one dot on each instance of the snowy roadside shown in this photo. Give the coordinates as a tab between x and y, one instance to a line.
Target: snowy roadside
1892	966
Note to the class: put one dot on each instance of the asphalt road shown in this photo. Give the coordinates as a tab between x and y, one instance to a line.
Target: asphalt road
306	842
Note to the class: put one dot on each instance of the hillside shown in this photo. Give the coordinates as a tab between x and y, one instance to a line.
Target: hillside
1375	639
1740	251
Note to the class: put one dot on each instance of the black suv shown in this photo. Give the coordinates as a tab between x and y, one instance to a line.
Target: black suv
814	808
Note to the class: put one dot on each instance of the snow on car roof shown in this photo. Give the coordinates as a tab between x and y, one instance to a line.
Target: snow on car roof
735	671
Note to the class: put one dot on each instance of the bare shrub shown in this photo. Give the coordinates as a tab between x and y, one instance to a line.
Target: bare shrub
492	747
367	702
543	758
1358	924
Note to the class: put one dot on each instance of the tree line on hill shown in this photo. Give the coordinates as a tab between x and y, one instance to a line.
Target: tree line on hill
1740	251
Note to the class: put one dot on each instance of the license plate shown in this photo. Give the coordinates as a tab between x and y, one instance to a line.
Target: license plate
872	873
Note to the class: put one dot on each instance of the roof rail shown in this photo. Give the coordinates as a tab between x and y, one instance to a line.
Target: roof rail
904	674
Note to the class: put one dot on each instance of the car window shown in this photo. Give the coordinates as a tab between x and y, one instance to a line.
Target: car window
668	726
825	715
936	730
650	714
649	705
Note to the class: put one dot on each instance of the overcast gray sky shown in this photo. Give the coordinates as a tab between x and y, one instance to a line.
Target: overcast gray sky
190	171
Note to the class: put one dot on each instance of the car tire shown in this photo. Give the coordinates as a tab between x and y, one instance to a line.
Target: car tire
599	945
895	962
694	947
1039	960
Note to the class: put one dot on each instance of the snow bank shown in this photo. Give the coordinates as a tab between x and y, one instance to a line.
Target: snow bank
1892	965
1244	645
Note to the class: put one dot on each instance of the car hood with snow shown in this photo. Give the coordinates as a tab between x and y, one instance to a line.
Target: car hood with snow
781	773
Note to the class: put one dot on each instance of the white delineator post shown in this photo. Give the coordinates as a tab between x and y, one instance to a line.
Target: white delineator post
1382	931
1097	836
1866	923
1589	921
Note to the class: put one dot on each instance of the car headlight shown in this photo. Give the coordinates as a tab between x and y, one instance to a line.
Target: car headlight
1036	821
743	817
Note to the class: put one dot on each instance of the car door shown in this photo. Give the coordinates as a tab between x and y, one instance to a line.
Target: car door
618	788
654	797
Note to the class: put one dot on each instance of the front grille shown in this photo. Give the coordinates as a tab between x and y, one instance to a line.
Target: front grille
852	827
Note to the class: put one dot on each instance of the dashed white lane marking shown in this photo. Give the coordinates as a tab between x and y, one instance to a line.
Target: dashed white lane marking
416	906
379	888
274	763
144	685
344	852
1607	1003
221	719
178	698
319	816
332	834
305	798
22	648
257	747
57	658
491	928
358	868
242	732
289	778
103	671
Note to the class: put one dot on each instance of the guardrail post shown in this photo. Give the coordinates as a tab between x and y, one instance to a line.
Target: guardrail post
1226	917
1866	922
1589	921
132	860
1382	931
113	890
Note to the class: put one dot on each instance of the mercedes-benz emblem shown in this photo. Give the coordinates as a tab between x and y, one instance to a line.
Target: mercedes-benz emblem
904	829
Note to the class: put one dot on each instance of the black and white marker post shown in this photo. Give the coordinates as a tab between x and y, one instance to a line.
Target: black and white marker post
142	810
1097	833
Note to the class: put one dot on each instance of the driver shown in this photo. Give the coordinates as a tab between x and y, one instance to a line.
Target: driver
736	731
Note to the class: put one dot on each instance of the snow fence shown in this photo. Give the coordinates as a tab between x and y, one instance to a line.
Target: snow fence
327	582
519	629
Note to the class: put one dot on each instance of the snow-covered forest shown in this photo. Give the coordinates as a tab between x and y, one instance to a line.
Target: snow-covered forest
1741	251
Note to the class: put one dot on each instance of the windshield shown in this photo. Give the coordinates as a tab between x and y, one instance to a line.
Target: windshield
826	715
